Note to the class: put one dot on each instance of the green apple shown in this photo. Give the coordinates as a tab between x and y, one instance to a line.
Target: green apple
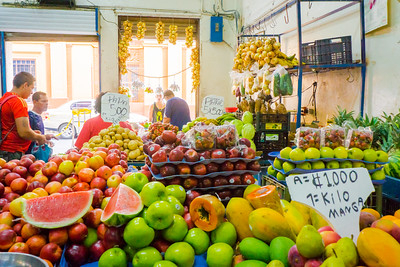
164	263
180	253
288	166
177	230
176	206
333	164
159	215
285	153
113	257
345	164
278	163
147	256
198	239
382	156
355	153
312	153
327	152
280	177
104	202
136	181
91	237
152	192
297	154
378	175
271	171
219	255
370	155
340	152
305	165
370	166
358	164
138	234
317	165
177	191
130	252
225	233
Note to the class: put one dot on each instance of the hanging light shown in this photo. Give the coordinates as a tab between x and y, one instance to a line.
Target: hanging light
174	87
137	85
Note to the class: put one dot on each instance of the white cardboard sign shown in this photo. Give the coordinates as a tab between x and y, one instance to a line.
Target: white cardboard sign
213	106
114	107
338	195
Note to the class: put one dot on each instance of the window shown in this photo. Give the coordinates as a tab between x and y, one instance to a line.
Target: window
27	65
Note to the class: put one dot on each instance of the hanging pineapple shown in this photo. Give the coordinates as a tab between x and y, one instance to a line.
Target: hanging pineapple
194	63
141	29
123	52
173	33
189	36
160	32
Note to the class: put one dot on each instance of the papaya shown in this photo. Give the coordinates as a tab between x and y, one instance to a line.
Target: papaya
378	248
266	224
265	197
304	210
207	212
293	216
237	213
317	220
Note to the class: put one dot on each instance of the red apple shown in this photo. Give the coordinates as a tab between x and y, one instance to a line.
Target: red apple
254	166
224	194
175	180
19	186
159	156
28	230
93	218
10	165
10	197
234	153
153	148
188	220
86	175
7	239
176	155
330	237
248	153
191	155
167	170
82	186
205	155
104	172
3	173
97	197
114	150
325	228
212	167
74	156
21	170
26	162
168	136
218	154
220	181
161	245
101	231
29	156
182	148
109	191
154	169
50	168
77	232
58	177
199	169
65	189
226	166
17	228
112	159
113	237
1	190
205	182
99	183
189	183
190	195
11	177
58	236
96	250
247	179
56	159
234	179
35	167
19	247
76	254
51	252
35	244
183	168
240	165
244	141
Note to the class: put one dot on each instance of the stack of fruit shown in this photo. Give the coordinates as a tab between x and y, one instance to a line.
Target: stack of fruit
204	120
157	128
245	127
126	139
297	160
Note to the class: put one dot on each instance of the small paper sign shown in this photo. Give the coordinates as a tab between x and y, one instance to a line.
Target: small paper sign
114	107
213	106
338	195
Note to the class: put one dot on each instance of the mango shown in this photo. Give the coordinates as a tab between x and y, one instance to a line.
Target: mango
304	210
293	216
266	224
378	248
279	249
251	263
254	249
237	213
317	220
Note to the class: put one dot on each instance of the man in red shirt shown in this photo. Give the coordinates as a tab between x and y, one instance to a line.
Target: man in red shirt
93	126
16	133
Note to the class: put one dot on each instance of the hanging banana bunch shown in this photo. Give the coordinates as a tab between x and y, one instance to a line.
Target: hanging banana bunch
123	52
160	32
189	36
173	33
194	63
141	29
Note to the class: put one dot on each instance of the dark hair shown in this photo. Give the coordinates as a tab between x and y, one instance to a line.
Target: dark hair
168	93
97	104
22	78
36	96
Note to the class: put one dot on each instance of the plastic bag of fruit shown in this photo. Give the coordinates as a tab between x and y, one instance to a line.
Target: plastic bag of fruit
361	138
227	136
201	136
308	137
333	136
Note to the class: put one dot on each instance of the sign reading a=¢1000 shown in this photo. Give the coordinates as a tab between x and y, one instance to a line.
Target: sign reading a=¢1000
213	106
338	195
114	107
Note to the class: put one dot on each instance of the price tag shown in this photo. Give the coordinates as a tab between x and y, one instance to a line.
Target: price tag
114	107
338	195
213	106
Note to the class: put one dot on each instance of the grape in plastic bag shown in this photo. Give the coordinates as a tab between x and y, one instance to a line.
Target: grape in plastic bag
361	138
203	137
307	137
227	136
333	136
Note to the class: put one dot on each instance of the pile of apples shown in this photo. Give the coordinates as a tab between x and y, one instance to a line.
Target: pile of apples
326	158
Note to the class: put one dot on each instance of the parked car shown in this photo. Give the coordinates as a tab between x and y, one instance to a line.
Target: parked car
59	118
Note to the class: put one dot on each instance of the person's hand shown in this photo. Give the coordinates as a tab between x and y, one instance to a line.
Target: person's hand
41	139
51	136
37	131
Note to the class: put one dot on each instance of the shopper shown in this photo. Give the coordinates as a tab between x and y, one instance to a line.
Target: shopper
16	135
40	104
156	112
176	111
93	126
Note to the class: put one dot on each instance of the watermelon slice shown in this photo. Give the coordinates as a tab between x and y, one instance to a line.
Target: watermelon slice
124	204
56	211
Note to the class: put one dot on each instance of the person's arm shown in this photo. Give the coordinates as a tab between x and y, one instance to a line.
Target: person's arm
83	136
25	131
167	112
151	113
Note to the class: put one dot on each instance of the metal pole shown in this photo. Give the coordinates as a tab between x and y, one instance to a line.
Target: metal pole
363	57
300	73
3	64
99	40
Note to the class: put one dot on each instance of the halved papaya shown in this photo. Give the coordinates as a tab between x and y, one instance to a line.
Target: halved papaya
266	197
207	212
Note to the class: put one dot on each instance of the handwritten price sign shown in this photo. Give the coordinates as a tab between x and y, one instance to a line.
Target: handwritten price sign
114	107
338	195
213	106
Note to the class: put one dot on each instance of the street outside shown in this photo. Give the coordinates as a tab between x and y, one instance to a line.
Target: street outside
62	145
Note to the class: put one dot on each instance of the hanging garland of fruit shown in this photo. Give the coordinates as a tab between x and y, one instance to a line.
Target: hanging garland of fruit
160	32
141	29
173	33
123	90
189	36
123	52
194	63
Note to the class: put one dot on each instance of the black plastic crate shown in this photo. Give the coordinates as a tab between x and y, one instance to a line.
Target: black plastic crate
309	53
390	206
272	122
267	141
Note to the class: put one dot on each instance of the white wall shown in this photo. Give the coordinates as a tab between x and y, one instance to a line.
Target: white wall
382	47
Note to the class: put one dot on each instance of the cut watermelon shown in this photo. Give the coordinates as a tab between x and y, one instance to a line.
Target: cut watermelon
393	167
57	210
124	204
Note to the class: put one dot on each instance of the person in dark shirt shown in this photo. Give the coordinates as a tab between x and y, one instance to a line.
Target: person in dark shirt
40	104
176	111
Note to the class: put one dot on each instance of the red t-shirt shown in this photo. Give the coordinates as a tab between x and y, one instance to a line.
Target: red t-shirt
92	127
14	108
